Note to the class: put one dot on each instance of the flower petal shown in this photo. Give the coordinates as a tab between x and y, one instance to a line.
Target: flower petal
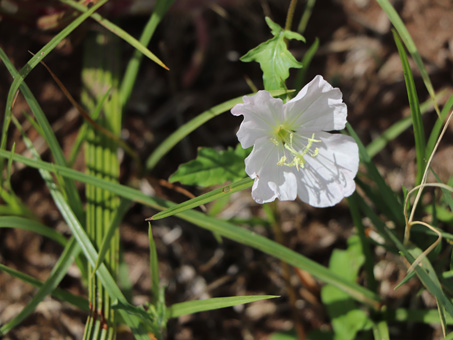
271	180
329	176
262	113
317	107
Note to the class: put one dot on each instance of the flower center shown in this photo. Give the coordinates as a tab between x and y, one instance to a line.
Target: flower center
284	136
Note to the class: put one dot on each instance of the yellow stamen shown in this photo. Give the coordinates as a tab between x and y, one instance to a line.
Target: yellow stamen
284	136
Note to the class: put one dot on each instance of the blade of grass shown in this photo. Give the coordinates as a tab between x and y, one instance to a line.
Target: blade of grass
34	226
205	198
388	197
75	300
193	124
433	287
68	185
58	272
419	132
306	61
160	8
223	228
190	307
399	127
154	268
410	45
118	31
31	64
84	243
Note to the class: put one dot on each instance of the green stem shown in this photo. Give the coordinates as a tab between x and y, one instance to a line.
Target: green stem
101	72
290	15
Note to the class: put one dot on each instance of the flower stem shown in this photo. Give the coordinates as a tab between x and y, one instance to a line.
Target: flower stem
290	15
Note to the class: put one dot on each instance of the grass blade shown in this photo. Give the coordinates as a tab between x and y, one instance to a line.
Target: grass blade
426	278
118	31
191	307
378	144
58	272
75	300
160	8
388	197
31	64
419	132
220	227
410	45
205	198
49	136
34	226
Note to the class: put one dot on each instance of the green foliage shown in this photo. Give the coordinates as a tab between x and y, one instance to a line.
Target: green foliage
347	318
212	167
273	56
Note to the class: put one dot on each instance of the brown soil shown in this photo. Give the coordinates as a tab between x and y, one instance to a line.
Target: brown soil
357	53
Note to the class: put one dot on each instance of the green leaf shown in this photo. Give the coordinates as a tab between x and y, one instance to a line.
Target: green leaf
197	306
212	167
273	56
347	319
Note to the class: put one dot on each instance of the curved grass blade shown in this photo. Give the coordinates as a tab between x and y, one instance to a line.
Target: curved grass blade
410	45
88	250
75	300
31	64
160	8
205	198
58	272
90	253
220	227
48	134
118	31
193	124
190	307
378	144
30	225
388	196
431	285
419	132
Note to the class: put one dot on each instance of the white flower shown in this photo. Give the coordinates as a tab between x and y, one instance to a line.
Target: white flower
292	154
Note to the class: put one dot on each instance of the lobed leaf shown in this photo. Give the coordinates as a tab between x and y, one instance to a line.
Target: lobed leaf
274	57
